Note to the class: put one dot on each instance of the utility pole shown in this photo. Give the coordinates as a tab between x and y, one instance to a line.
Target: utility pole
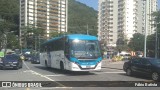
145	34
156	41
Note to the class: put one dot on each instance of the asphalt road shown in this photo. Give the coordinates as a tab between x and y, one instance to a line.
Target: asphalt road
76	80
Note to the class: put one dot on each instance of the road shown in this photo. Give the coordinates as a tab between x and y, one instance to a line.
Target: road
111	71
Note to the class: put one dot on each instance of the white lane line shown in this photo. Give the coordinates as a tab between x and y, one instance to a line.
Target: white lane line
54	75
38	74
93	72
26	65
109	72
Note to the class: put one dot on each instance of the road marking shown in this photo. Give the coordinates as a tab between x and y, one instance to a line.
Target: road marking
26	65
86	74
51	88
54	75
38	74
110	72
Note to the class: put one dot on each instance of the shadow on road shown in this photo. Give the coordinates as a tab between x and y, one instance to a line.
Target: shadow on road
112	68
69	73
137	76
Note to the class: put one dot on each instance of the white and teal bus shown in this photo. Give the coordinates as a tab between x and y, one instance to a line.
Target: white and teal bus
75	52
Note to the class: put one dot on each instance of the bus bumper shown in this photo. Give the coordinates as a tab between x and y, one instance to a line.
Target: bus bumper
76	67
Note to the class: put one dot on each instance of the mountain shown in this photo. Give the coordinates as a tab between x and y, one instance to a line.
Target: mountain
81	18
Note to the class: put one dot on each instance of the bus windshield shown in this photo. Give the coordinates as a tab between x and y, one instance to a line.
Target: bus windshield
85	49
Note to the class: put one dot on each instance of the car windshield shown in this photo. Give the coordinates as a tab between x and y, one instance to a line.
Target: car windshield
11	57
85	49
155	61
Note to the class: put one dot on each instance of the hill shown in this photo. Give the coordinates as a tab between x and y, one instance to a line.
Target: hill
81	18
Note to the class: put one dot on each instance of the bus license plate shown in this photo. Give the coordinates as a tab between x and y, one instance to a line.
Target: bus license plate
89	66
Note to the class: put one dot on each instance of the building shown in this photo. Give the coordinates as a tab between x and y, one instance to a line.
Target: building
51	15
152	6
107	20
122	18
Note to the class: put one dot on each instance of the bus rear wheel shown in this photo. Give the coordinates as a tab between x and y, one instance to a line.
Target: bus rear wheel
61	65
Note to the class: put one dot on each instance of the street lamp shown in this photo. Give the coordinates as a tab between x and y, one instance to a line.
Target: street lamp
145	35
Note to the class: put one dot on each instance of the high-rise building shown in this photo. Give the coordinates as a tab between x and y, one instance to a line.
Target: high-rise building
51	15
107	20
122	18
152	6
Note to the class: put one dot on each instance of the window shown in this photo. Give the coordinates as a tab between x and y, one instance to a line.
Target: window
145	62
136	61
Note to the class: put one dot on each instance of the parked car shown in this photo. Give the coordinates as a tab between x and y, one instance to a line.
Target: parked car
35	59
11	61
145	66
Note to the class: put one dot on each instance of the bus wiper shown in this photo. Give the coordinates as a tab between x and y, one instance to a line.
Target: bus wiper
82	55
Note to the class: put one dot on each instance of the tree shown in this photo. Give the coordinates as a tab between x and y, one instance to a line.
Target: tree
9	19
32	35
9	13
121	43
81	18
151	45
137	42
151	39
12	41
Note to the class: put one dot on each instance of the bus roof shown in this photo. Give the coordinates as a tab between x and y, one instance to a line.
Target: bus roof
82	37
74	36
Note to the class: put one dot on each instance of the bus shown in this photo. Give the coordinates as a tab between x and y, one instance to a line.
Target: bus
74	52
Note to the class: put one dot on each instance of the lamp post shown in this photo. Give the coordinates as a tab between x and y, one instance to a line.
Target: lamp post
156	40
145	35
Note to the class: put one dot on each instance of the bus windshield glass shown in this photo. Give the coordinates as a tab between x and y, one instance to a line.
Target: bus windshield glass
85	49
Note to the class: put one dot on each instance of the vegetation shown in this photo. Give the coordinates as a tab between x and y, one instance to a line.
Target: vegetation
9	14
81	18
137	42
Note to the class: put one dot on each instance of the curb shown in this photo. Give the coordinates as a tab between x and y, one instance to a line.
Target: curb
112	62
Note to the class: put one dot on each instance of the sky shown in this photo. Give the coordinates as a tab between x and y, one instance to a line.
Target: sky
94	3
91	3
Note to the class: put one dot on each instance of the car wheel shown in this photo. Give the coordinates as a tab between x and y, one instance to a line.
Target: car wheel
129	72
155	76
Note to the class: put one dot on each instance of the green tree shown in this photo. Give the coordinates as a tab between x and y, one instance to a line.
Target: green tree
121	43
31	36
137	42
151	39
81	18
9	19
12	41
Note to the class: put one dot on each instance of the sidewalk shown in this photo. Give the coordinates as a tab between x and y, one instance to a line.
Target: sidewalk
107	61
109	64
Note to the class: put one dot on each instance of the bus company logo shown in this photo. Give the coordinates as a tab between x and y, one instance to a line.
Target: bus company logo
6	84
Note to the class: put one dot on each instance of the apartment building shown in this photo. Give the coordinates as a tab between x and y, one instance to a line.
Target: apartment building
122	18
51	15
107	19
152	6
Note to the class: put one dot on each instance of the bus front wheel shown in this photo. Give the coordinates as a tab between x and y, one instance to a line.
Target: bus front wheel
61	65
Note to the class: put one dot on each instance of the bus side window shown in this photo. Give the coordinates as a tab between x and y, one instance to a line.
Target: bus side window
66	49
